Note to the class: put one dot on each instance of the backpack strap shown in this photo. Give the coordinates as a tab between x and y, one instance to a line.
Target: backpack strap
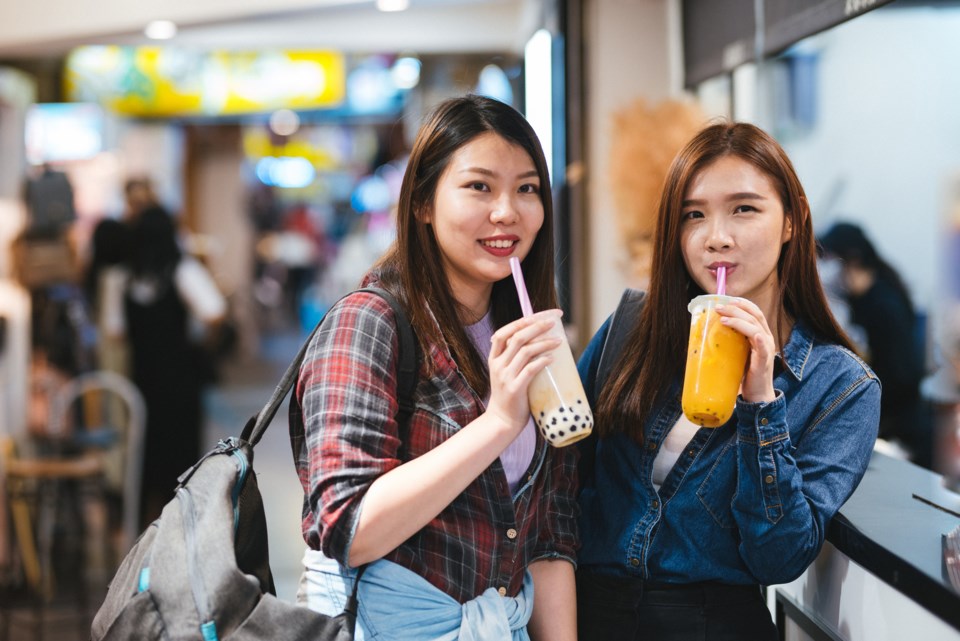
621	324
406	371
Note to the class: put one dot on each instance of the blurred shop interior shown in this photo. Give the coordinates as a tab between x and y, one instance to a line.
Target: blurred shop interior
276	133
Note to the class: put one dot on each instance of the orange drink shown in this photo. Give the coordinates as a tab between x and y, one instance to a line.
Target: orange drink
716	358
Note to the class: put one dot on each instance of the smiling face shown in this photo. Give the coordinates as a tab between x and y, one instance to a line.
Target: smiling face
486	209
733	216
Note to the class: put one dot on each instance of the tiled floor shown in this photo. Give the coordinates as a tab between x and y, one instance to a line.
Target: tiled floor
242	391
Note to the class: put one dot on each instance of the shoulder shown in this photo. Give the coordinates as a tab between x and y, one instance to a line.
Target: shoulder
364	311
842	367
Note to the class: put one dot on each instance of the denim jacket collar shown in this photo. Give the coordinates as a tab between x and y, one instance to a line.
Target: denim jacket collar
795	353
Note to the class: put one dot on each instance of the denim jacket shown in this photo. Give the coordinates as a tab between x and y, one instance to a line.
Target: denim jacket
746	503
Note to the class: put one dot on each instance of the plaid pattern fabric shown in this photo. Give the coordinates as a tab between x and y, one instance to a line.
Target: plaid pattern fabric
344	436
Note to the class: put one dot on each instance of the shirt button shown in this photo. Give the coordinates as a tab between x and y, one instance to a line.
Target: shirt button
635	562
691	453
763	421
511	534
768	478
651	445
654	504
502	591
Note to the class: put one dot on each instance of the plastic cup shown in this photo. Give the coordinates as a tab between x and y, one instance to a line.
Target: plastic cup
716	359
557	400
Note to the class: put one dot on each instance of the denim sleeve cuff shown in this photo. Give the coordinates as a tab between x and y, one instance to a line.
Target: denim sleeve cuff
762	423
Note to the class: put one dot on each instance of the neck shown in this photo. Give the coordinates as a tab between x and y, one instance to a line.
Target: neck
473	305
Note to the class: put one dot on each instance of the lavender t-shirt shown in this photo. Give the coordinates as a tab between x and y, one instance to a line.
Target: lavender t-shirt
516	458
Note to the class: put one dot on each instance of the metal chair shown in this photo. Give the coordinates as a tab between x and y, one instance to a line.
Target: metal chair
111	418
94	442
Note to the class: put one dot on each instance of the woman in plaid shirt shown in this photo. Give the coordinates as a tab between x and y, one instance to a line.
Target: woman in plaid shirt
460	511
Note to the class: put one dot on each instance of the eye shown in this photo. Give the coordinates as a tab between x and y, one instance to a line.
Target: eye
692	214
742	209
529	188
477	186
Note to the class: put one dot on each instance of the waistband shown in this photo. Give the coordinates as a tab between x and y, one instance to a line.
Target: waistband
641	591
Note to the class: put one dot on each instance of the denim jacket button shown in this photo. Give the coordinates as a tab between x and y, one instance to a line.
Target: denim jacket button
768	478
635	562
763	421
654	504
651	446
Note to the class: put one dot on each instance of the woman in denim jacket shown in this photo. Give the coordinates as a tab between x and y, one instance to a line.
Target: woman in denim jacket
681	525
457	512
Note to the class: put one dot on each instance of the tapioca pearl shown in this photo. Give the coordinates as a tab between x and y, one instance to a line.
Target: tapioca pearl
552	436
561	408
561	433
579	400
574	427
565	419
576	417
553	421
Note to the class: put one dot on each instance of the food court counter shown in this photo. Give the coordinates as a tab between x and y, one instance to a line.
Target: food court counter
882	574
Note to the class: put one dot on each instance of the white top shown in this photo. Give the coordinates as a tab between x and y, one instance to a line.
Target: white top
673	446
194	284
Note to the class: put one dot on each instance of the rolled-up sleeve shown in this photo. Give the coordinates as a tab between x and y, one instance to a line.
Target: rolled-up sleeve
559	536
347	391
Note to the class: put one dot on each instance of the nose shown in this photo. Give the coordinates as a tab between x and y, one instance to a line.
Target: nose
718	234
505	211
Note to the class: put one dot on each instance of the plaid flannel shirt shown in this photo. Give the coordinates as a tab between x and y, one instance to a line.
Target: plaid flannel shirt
344	436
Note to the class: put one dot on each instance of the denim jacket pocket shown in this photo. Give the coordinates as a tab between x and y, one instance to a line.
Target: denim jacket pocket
717	490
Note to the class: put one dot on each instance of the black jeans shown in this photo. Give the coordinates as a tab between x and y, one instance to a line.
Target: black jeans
618	609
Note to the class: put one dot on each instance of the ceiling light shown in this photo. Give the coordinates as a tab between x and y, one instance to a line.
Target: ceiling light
284	122
160	30
393	5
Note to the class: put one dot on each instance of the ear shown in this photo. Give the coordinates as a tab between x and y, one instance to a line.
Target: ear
424	215
787	230
788	220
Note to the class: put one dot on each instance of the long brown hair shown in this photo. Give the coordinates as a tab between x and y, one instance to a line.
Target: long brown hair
412	268
646	370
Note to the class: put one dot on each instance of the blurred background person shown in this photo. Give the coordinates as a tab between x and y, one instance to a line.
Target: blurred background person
166	293
880	306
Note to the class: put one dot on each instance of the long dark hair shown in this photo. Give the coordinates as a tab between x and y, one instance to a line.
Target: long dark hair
412	268
646	369
109	246
849	243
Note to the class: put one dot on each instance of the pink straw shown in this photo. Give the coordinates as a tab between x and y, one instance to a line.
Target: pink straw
721	280
521	287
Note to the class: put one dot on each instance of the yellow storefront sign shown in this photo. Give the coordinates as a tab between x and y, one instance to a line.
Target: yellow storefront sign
165	82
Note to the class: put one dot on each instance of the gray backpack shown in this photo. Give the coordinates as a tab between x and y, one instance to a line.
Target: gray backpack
201	571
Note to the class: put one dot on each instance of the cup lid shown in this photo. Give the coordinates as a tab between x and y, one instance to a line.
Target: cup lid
710	300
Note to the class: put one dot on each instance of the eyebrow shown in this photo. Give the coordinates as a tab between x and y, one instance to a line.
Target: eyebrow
489	172
742	195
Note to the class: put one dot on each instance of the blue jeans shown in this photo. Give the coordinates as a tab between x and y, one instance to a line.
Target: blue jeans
622	609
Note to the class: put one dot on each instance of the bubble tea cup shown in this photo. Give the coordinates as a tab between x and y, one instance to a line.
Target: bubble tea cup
557	400
716	360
